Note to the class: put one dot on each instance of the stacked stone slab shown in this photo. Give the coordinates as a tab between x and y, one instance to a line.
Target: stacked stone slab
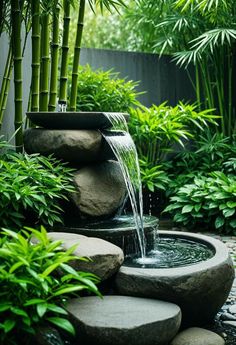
100	187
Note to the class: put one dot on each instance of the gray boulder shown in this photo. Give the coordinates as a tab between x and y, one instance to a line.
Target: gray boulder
105	257
197	336
76	146
120	320
100	189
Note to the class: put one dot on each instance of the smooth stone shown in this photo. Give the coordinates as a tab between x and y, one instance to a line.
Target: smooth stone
106	258
47	336
100	189
230	323
76	146
197	336
120	320
232	309
227	316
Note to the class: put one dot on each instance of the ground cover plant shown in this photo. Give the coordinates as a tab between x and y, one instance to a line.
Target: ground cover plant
31	188
202	185
36	281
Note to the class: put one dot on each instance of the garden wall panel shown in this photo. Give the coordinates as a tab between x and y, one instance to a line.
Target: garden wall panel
8	121
159	77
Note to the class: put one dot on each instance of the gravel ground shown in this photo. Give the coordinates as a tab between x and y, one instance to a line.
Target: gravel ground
225	321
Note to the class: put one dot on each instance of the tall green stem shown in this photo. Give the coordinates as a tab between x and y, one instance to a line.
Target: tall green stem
17	55
45	62
54	57
35	11
65	51
5	78
77	49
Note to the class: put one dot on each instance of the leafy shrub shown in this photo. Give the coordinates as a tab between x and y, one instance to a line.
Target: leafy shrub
158	129
32	186
104	91
33	292
208	201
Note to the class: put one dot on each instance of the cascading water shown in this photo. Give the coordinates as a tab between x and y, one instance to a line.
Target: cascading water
125	151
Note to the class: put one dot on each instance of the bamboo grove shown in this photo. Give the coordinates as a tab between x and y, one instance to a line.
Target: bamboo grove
48	22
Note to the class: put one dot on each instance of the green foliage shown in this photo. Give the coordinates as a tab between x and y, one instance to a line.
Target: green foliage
154	177
156	132
36	280
209	201
32	186
104	91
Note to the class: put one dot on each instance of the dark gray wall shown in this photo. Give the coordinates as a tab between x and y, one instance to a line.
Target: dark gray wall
8	121
159	77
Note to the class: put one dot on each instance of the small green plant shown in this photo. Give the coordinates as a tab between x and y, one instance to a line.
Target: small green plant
209	201
156	132
31	188
154	178
104	91
36	280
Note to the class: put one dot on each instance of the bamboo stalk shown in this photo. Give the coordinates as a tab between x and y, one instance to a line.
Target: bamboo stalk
17	56
45	62
77	49
5	75
65	51
54	57
5	90
35	11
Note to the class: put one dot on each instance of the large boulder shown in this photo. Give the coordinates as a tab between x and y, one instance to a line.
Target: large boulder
105	257
120	320
197	336
76	146
100	189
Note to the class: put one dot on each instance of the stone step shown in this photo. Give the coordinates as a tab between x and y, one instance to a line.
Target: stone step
121	320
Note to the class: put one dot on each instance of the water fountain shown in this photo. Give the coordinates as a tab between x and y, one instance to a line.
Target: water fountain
198	281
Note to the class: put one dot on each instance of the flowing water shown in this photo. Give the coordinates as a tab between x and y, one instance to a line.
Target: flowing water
125	151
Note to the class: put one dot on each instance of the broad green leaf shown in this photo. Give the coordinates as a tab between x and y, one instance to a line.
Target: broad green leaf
62	323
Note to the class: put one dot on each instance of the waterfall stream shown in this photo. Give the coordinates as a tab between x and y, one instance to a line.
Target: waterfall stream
124	149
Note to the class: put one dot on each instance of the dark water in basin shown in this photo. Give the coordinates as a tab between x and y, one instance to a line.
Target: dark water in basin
172	252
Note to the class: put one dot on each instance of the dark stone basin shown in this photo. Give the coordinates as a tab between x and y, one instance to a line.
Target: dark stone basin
72	120
199	290
119	231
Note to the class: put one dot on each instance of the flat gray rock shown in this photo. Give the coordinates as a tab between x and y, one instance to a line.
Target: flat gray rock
121	320
76	146
106	258
100	189
197	336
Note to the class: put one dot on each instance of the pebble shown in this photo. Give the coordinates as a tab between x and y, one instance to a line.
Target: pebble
231	323
227	316
232	309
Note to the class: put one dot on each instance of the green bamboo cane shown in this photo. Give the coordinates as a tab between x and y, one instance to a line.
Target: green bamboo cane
77	49
65	51
54	57
35	12
5	90
5	75
45	62
17	56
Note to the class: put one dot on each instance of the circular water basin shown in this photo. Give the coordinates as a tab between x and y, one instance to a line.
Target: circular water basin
172	252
